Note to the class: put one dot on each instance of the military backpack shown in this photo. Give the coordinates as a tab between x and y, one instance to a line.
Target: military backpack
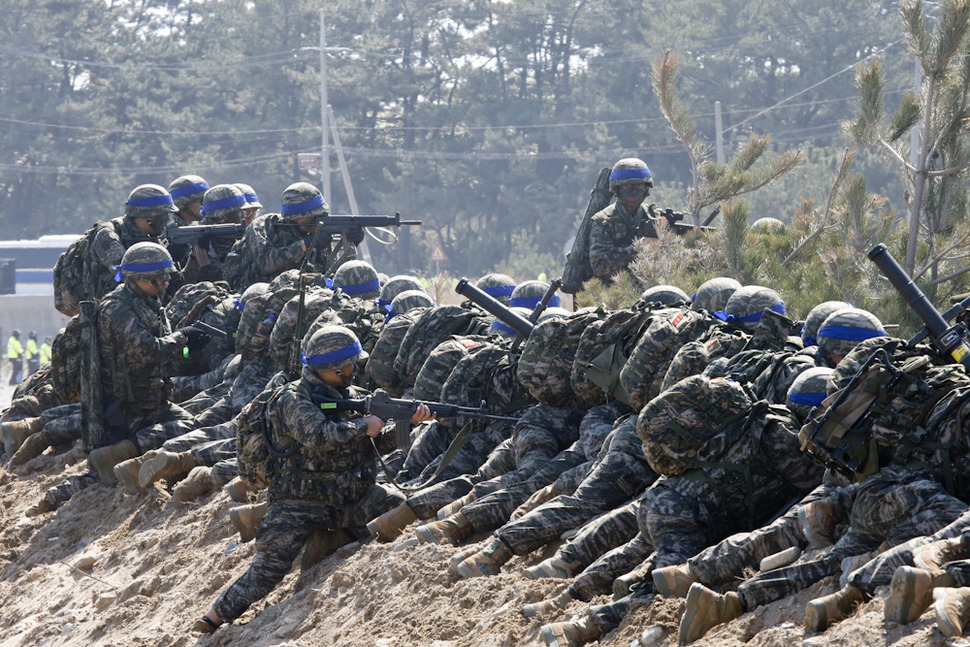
255	454
546	362
71	284
432	327
578	269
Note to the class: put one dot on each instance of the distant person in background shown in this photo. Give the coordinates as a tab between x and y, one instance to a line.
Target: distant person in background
45	351
32	353
15	352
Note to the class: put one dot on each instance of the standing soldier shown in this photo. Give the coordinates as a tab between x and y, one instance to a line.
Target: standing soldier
45	351
32	353
15	351
614	229
326	483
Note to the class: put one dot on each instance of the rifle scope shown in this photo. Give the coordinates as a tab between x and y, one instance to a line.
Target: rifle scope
948	339
495	307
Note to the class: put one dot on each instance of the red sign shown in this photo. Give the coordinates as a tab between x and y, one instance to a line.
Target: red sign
438	254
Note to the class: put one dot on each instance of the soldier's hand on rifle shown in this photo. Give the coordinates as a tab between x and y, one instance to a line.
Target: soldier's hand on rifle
422	414
196	337
374	425
355	235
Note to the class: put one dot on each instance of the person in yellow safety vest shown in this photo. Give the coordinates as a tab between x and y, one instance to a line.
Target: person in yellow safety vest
15	351
45	351
32	353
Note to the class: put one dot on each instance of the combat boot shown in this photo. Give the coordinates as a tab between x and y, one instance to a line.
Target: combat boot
570	634
390	525
455	560
555	566
39	508
197	483
165	465
706	609
911	593
819	520
239	490
15	432
246	519
635	579
452	530
673	581
127	474
952	611
829	609
103	459
323	543
536	609
934	555
456	505
487	561
31	448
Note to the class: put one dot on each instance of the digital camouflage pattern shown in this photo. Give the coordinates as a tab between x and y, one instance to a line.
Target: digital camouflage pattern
837	333
408	300
143	191
692	422
487	375
669	296
611	236
380	366
357	279
714	294
225	194
498	286
815	317
668	330
694	356
281	339
603	349
440	364
430	328
395	286
546	362
187	181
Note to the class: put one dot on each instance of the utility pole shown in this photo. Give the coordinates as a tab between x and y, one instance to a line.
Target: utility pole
718	134
324	113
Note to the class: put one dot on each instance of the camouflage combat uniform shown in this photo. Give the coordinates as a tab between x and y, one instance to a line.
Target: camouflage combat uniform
611	236
106	250
537	440
618	474
329	482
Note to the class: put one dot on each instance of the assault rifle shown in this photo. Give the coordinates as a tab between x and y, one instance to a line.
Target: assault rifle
349	228
192	234
675	220
948	340
387	408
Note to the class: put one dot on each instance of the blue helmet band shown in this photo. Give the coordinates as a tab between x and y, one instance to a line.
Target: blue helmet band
339	355
189	189
301	207
152	201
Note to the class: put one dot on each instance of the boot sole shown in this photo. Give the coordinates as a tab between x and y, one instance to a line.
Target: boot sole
946	627
902	605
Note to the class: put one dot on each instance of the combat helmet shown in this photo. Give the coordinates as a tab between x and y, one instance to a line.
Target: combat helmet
815	317
395	286
808	390
357	279
767	224
220	201
144	261
408	300
249	294
747	304
331	347
148	200
714	294
497	286
302	199
554	313
252	200
666	295
844	329
529	293
499	327
630	170
187	188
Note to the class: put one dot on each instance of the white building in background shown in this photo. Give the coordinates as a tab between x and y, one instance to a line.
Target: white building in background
34	261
